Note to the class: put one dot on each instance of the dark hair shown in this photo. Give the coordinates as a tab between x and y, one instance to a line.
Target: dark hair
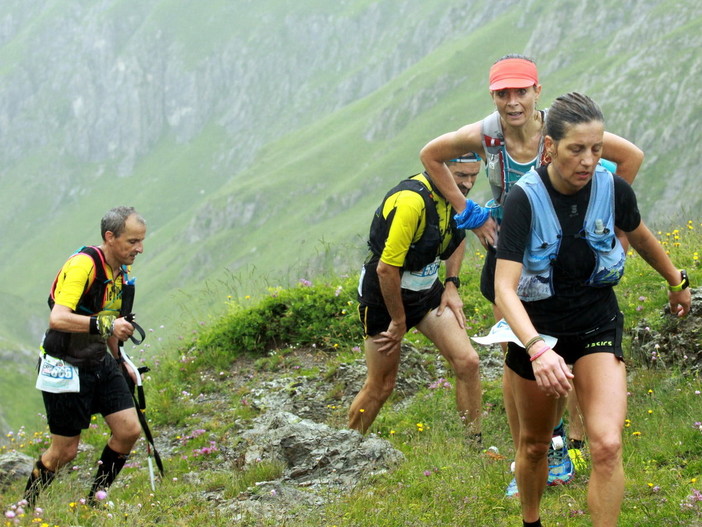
568	110
514	56
115	219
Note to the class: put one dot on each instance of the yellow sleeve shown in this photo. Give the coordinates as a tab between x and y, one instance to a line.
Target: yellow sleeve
73	279
407	225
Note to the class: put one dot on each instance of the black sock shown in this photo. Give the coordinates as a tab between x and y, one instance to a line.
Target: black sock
575	443
537	523
109	466
39	479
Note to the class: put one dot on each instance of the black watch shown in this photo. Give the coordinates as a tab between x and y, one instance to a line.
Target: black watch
454	279
682	285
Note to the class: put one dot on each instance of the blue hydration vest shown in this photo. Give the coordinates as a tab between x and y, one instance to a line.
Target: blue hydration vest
536	281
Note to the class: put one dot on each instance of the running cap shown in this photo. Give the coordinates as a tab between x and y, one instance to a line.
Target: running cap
513	73
470	157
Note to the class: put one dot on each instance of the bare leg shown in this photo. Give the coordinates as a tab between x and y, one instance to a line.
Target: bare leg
453	343
576	427
600	379
125	428
380	382
508	397
536	413
62	450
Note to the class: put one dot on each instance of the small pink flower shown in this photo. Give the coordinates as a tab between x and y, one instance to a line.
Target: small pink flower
101	495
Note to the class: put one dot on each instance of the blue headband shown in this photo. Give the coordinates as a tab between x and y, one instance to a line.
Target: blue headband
470	157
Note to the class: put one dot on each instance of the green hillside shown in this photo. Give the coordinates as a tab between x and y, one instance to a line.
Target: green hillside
256	141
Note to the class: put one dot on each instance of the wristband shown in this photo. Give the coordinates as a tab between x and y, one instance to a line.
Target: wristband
533	341
454	280
682	285
94	330
539	353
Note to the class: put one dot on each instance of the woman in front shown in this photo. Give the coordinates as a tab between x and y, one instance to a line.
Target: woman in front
557	262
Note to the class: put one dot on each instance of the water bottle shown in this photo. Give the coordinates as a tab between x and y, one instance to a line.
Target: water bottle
599	226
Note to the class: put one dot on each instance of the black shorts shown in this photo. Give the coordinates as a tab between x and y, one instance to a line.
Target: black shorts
376	319
606	338
103	390
487	276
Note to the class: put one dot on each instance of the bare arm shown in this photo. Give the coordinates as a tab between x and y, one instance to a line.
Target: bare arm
450	298
625	154
551	371
450	146
653	253
62	318
628	158
390	286
487	233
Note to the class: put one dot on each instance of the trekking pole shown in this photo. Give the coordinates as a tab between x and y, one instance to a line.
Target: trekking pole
141	412
128	291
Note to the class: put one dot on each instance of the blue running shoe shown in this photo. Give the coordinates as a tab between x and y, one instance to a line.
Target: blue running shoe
560	467
512	490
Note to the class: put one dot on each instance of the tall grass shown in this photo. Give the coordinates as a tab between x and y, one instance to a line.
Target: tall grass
444	481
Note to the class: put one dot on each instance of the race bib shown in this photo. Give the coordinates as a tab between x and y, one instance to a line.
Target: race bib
423	279
57	376
501	332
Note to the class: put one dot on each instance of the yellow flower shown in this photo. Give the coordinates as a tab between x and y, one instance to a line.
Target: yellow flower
650	411
361	410
636	433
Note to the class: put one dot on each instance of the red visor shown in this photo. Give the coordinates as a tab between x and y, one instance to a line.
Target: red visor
513	73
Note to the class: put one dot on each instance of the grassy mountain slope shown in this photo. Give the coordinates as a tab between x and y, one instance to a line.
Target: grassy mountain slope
257	138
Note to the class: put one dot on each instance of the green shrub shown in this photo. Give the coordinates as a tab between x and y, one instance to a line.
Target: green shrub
317	315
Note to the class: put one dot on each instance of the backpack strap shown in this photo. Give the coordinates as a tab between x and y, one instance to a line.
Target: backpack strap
493	139
495	163
424	251
93	296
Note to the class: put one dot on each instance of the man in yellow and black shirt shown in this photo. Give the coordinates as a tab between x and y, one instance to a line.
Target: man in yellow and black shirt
85	329
399	288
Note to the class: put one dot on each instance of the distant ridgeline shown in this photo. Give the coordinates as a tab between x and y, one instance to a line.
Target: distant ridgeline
257	142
